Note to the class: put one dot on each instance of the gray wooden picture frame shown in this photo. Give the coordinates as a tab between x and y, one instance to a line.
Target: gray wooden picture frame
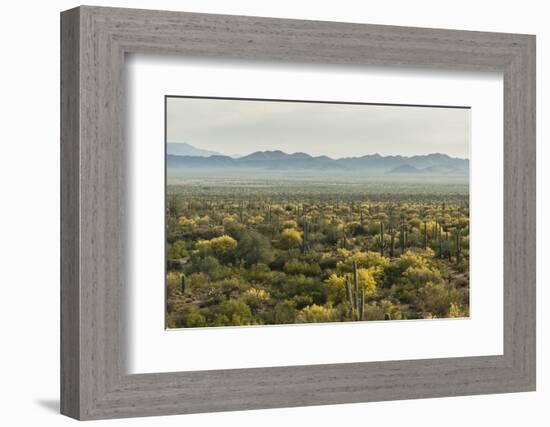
94	382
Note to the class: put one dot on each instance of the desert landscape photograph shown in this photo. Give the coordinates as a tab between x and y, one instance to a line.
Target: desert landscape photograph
292	212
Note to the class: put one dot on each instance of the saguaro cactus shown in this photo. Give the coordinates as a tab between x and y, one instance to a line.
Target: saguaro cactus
183	283
458	243
392	240
355	285
306	235
447	245
382	243
268	216
439	229
349	294
425	234
361	302
355	295
402	237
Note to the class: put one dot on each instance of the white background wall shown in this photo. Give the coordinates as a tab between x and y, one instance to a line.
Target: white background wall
29	224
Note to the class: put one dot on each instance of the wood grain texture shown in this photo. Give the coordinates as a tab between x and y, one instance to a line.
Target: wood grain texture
94	272
70	297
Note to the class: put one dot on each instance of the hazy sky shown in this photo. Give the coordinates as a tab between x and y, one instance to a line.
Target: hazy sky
336	130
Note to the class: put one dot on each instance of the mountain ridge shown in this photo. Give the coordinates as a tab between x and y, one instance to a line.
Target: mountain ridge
433	164
185	149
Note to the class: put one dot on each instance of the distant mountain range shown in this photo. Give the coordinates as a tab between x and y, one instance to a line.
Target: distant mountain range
185	149
436	164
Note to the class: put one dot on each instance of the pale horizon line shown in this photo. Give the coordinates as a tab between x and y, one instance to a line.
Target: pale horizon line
238	156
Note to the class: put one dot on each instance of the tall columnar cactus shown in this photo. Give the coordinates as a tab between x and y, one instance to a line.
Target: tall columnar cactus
355	295
392	240
458	243
425	234
269	214
306	236
355	285
362	218
402	237
447	245
183	283
361	303
241	212
439	231
382	242
349	296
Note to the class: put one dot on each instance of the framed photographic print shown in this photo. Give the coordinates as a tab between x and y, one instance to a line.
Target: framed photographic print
262	213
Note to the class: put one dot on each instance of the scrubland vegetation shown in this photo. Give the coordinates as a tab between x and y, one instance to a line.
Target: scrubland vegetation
261	252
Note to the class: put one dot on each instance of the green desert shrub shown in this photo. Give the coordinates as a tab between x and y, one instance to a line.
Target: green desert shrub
254	248
295	266
317	314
